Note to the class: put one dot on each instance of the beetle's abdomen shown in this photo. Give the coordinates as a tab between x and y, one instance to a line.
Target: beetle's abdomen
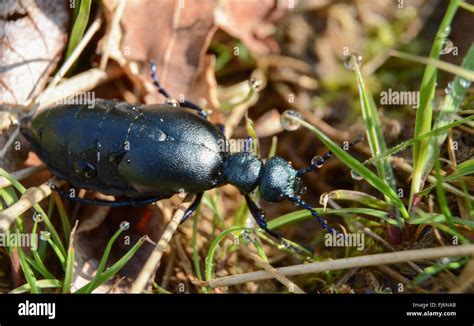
121	149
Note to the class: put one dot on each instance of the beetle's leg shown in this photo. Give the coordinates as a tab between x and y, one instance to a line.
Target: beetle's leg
164	92
100	202
259	217
191	209
299	202
323	159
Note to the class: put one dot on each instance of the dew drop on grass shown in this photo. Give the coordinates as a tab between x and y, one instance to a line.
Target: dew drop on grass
45	235
449	88
37	217
287	122
355	175
317	161
124	225
446	32
352	61
464	83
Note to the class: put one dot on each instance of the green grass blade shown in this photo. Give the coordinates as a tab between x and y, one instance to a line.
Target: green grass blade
115	268
42	284
63	216
442	201
440	218
27	271
50	227
209	262
375	181
467	6
452	103
37	262
357	197
431	271
79	27
103	261
465	168
445	66
425	111
410	142
69	262
303	215
373	129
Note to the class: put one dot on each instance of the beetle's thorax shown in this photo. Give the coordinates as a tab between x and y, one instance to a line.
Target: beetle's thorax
276	178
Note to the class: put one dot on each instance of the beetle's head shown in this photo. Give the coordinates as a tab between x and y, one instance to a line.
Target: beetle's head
279	180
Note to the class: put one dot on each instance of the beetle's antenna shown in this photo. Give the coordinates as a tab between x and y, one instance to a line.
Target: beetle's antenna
171	100
318	162
298	202
161	90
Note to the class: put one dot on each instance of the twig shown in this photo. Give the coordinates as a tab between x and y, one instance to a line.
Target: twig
292	287
31	197
95	26
399	277
345	263
184	262
154	260
114	31
82	82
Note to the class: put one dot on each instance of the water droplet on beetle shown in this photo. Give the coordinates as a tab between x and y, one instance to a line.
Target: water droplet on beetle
161	120
45	235
317	161
255	84
464	83
355	175
37	217
173	102
124	225
352	61
447	46
287	122
162	136
128	161
182	193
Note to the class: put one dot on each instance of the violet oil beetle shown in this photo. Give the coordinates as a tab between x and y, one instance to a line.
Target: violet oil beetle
150	152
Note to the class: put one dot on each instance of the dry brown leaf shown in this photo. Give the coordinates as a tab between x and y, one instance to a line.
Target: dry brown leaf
251	21
175	34
205	85
34	34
